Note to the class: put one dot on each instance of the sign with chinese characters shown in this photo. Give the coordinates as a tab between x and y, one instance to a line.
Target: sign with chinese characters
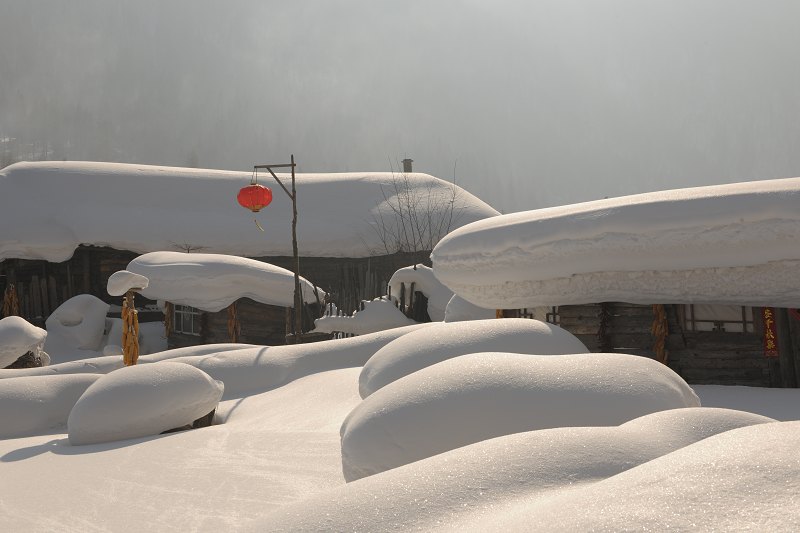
770	333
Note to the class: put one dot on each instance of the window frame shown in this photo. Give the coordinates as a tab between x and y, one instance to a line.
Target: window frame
180	315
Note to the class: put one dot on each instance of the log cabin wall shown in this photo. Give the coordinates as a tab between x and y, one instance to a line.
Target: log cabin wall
350	280
258	324
699	357
43	286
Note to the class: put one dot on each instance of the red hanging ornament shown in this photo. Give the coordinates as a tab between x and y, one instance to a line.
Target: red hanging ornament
254	197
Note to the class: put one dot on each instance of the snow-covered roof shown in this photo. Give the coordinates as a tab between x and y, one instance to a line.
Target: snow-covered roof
727	244
47	209
212	282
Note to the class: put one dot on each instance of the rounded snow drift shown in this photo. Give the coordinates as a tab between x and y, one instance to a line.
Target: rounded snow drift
436	343
78	323
17	337
32	405
485	395
142	400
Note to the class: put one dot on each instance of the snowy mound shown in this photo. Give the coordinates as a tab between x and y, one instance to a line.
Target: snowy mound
77	324
510	469
423	279
142	400
484	395
266	367
17	337
35	405
460	310
109	363
746	479
121	282
727	244
377	315
212	282
441	341
175	208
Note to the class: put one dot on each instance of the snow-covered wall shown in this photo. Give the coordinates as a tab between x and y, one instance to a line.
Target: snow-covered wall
727	244
148	208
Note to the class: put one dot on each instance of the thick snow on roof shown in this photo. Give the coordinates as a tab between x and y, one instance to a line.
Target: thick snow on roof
726	244
146	208
212	282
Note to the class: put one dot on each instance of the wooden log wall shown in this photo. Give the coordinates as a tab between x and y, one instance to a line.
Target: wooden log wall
349	281
700	357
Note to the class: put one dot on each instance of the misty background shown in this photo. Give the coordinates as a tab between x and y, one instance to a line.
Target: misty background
527	103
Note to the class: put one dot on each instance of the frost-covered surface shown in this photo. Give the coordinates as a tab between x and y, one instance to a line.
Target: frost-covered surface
423	279
35	405
726	244
479	396
746	479
121	282
441	341
476	481
141	400
377	315
460	310
17	337
148	208
212	282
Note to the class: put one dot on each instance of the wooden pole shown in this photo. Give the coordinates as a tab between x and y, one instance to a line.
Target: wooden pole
786	354
298	298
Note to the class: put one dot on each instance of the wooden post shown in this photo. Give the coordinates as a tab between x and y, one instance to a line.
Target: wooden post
298	295
794	329
130	330
788	378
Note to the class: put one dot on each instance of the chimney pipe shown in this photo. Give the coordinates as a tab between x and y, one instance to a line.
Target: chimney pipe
407	165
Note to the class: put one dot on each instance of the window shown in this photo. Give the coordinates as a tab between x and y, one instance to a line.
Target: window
187	320
729	318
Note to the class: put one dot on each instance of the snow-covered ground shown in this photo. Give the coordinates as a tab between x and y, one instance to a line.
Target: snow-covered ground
274	459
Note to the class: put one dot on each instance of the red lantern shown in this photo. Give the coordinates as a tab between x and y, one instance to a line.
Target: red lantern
254	197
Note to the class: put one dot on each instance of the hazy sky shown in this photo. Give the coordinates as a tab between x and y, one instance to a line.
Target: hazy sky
534	103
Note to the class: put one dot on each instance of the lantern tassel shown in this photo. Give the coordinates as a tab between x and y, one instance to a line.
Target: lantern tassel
257	224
